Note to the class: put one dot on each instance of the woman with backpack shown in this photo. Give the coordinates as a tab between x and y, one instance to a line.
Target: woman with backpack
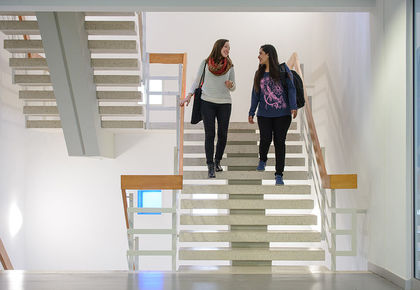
275	95
216	102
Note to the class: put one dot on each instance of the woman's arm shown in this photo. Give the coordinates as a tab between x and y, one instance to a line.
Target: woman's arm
232	79
195	85
254	102
255	99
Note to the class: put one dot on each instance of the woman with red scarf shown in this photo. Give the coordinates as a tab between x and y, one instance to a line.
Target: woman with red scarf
219	81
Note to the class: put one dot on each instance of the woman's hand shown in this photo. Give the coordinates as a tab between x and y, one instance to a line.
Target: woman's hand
186	100
229	84
251	119
294	113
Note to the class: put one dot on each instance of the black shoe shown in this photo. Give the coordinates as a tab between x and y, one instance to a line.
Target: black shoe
211	170
217	166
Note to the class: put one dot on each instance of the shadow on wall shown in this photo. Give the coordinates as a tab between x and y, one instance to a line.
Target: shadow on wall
338	108
334	115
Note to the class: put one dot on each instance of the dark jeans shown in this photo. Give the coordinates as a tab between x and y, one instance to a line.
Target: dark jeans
278	127
211	112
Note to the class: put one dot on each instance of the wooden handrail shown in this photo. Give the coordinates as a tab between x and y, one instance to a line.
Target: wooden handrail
4	258
181	137
166	58
333	181
145	182
151	182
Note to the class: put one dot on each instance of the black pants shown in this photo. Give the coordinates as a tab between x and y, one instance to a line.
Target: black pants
211	112
278	127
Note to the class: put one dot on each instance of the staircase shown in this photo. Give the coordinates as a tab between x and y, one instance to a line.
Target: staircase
241	218
113	44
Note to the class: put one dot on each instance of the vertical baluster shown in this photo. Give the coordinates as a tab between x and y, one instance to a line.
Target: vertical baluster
333	234
131	227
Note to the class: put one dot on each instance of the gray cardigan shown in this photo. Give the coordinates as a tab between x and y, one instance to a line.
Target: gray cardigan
214	89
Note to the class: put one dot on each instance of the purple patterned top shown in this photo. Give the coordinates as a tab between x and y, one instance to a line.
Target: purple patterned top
272	99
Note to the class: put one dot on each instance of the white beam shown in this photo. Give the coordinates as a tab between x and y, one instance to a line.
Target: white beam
189	5
65	43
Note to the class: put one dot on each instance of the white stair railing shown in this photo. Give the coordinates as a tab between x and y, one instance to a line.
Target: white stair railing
326	199
325	185
149	182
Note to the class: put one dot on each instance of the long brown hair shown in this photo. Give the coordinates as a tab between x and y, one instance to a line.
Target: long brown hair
273	62
216	52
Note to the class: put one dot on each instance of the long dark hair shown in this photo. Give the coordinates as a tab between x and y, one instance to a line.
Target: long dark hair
273	62
216	52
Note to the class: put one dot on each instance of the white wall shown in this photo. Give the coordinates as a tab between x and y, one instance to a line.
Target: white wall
359	104
75	205
341	103
12	171
195	33
390	203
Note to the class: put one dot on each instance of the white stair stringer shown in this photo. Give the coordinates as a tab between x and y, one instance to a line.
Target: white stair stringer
241	218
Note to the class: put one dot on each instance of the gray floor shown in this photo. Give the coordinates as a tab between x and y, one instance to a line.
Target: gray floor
17	280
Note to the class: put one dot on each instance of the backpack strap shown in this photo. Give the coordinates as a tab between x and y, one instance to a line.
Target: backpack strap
283	75
203	75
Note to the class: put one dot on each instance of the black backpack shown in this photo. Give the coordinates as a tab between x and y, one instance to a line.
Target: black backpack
297	81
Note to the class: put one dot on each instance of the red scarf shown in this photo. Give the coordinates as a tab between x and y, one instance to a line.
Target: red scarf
221	67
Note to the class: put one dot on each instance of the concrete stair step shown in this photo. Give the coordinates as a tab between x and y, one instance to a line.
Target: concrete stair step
103	110
118	96
253	254
47	124
103	96
28	63
43	124
95	46
16	27
96	63
247	204
226	219
244	161
122	124
117	80
120	110
242	175
29	95
100	80
112	46
246	189
23	46
30	27
110	27
242	149
250	236
115	64
40	110
234	125
238	137
32	80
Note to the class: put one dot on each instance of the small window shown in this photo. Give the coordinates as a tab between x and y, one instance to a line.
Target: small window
155	86
149	199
